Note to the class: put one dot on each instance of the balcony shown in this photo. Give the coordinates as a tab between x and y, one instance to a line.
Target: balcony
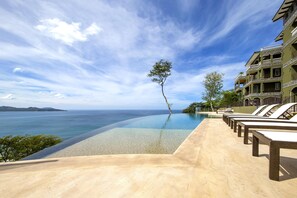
264	94
240	78
273	47
277	61
293	38
238	89
267	62
254	67
291	83
290	62
260	80
274	61
270	79
294	31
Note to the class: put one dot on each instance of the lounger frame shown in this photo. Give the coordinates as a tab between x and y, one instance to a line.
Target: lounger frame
274	152
246	129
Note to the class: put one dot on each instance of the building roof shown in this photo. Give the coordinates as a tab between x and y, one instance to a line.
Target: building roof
273	47
241	78
280	36
252	58
283	9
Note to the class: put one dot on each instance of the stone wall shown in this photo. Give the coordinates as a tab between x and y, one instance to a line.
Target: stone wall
247	109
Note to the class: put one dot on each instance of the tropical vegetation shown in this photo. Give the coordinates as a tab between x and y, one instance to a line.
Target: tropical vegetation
13	148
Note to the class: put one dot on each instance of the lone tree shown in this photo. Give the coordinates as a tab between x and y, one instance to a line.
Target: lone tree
159	74
213	85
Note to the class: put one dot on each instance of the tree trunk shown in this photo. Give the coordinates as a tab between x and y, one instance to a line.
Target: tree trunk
170	112
211	106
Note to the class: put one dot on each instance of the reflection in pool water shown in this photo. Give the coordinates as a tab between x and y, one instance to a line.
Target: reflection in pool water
160	134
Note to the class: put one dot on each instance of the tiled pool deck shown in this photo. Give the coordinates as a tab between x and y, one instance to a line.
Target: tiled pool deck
212	162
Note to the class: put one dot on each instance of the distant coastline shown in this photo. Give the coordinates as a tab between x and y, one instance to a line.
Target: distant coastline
7	108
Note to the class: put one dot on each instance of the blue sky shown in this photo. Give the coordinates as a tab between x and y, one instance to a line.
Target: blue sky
96	54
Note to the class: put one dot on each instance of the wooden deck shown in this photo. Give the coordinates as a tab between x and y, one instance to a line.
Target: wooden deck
212	162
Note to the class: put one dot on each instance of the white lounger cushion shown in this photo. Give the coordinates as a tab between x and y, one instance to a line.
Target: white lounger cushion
259	109
293	119
261	119
267	109
282	109
270	124
280	136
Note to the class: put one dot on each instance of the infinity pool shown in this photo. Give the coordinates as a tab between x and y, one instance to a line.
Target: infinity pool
159	134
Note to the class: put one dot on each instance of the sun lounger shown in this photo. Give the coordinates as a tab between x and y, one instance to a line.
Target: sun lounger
265	112
262	125
276	141
281	112
256	112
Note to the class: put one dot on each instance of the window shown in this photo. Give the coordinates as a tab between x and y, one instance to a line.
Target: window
278	55
256	88
266	57
277	72
277	86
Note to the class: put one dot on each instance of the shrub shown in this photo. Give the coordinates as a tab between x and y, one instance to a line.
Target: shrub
13	148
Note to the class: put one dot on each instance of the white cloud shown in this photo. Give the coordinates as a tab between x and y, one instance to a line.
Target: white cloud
251	12
110	72
59	95
92	30
68	33
17	69
8	97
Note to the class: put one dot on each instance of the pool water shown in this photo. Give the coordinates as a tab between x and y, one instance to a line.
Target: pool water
158	134
174	121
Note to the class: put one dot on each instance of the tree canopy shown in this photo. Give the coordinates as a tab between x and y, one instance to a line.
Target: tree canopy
192	107
213	84
230	98
159	74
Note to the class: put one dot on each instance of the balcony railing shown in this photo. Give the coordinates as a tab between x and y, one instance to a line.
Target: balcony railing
252	67
294	31
291	61
238	89
277	61
270	47
270	78
265	63
264	94
240	76
259	80
268	61
290	40
274	61
291	83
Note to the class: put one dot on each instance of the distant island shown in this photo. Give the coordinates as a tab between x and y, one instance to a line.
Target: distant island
7	108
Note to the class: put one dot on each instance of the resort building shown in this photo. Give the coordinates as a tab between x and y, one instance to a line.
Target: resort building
271	73
262	82
288	13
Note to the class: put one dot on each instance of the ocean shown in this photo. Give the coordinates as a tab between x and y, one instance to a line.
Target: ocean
65	124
